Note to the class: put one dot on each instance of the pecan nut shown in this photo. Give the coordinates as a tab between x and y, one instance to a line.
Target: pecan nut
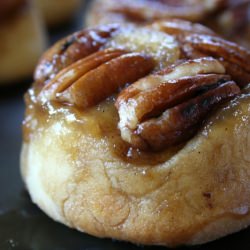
184	92
94	78
234	57
120	57
81	44
182	121
197	41
71	49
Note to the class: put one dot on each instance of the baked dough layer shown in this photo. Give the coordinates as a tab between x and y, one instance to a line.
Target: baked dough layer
196	195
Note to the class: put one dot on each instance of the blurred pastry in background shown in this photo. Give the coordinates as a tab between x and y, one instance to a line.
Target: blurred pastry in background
228	18
22	40
57	11
234	22
144	11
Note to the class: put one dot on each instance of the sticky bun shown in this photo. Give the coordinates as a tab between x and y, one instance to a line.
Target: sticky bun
141	133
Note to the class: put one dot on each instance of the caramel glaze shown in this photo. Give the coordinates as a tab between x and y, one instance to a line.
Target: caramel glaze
9	8
105	115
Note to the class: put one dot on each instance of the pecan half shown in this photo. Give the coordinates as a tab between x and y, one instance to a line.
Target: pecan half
198	84
94	78
182	121
234	57
71	49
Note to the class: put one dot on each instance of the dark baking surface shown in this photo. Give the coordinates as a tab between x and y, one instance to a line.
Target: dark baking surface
22	225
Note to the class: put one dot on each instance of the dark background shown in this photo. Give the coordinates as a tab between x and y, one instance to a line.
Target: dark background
22	224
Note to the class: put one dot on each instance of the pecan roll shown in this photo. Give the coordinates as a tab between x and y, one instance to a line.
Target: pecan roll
141	133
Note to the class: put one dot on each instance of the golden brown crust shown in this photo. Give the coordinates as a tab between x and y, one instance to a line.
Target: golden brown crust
81	172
